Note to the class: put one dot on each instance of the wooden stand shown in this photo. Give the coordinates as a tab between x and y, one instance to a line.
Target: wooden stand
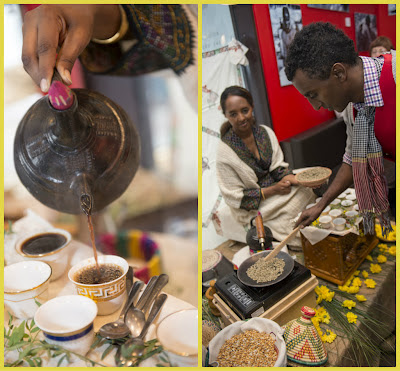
335	258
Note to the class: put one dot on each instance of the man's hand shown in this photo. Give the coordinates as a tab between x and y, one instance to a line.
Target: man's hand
309	215
66	29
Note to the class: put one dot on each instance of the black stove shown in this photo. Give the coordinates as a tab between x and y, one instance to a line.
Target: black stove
248	301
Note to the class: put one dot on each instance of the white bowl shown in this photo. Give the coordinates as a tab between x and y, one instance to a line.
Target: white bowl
351	197
108	296
339	224
25	282
309	206
355	208
326	210
67	321
335	213
177	333
335	202
347	204
342	195
325	221
318	200
57	259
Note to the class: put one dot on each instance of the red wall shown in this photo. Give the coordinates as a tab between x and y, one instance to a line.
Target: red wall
291	113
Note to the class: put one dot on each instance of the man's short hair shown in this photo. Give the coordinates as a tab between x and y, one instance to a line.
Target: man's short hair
316	48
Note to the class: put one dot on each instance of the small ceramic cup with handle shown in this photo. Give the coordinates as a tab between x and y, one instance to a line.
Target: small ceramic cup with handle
109	295
67	321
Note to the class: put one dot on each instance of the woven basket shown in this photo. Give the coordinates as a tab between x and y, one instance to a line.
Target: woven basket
303	344
315	182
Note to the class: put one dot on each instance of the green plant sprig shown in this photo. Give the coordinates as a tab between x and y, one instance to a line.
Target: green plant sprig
23	338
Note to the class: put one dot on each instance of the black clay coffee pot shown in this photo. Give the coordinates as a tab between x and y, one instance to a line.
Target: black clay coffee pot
76	150
259	236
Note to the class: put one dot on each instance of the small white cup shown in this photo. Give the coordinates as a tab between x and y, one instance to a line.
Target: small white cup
177	333
318	200
351	197
309	206
57	259
67	321
355	208
325	221
25	282
339	224
347	204
326	210
335	213
335	202
351	215
108	296
342	195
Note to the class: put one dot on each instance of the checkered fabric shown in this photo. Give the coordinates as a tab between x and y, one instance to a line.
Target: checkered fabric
367	161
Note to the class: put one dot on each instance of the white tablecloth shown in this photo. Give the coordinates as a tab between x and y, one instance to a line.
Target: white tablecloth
62	286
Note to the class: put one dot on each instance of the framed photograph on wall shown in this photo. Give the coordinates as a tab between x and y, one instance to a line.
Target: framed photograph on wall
366	31
286	21
333	7
391	9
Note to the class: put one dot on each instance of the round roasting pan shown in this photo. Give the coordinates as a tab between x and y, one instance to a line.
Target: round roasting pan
246	280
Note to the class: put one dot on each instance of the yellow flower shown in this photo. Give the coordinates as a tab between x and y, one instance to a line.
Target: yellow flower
351	317
349	304
324	294
375	268
381	259
356	273
348	283
364	274
383	248
370	283
392	250
361	298
357	282
322	315
369	257
329	337
344	288
353	289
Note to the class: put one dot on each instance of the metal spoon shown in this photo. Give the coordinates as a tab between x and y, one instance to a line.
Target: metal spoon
135	317
118	329
137	343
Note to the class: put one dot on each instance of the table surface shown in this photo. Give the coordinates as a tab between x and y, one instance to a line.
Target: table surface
382	298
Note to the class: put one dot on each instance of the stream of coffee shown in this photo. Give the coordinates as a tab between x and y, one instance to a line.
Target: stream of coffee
86	204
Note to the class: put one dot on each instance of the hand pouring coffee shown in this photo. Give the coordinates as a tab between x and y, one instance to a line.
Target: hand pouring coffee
76	150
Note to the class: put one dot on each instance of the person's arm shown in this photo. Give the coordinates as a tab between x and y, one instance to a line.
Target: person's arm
66	29
342	181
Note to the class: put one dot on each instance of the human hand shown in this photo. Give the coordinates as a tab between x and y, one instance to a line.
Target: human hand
283	187
66	29
308	216
291	178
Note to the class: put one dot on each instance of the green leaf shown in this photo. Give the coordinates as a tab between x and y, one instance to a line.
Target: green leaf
30	362
37	303
17	334
96	342
35	329
61	360
25	352
107	351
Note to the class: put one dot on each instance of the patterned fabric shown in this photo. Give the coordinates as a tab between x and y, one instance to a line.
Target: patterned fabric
252	197
164	39
367	160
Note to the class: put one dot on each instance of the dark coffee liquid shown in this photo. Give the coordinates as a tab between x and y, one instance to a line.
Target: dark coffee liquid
43	244
90	276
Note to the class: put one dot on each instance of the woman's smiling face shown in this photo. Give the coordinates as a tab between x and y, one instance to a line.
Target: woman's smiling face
239	113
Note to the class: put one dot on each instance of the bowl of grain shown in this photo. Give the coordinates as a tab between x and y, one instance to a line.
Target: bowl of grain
314	177
257	342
